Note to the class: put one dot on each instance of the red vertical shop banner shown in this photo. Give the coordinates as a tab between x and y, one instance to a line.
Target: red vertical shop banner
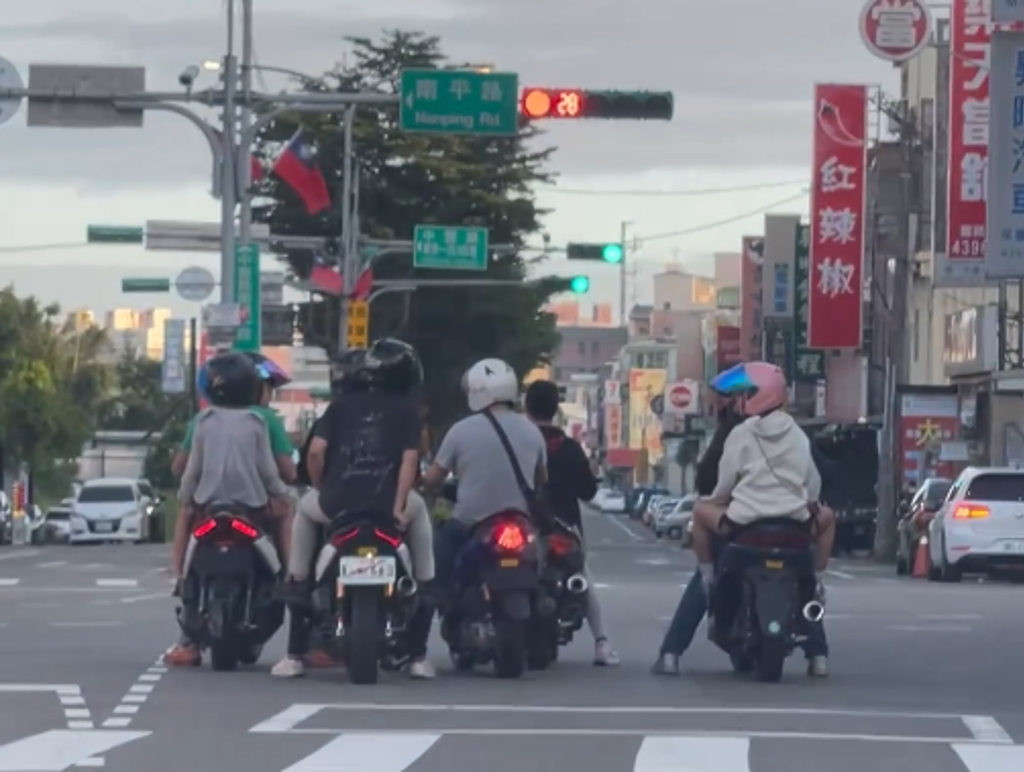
926	421
969	44
751	280
728	347
836	271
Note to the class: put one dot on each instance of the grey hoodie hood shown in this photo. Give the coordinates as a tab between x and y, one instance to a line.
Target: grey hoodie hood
773	427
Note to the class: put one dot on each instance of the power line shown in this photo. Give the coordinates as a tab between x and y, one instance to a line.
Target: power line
729	221
44	247
554	188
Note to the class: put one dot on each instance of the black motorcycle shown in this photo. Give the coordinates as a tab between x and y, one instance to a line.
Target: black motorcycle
764	596
365	594
497	578
227	596
562	606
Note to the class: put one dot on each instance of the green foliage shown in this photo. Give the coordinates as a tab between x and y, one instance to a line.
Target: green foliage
411	179
137	402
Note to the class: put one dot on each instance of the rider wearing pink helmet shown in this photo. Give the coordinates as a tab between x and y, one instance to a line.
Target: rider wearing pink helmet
766	470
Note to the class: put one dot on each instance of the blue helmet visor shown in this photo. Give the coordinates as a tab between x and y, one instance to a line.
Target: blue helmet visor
733	382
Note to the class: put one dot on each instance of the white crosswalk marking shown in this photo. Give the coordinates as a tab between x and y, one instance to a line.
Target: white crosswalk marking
991	758
60	749
390	752
693	754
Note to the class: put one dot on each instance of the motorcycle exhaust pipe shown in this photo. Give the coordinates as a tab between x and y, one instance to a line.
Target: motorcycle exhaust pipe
406	585
577	584
814	612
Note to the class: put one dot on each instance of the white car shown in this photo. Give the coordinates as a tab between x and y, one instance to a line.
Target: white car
980	526
613	502
109	509
675	523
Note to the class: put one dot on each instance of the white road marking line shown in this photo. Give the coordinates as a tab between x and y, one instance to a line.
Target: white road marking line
152	596
61	590
59	749
948	617
990	758
840	574
356	752
76	712
136	696
86	625
117	582
287	719
95	762
930	628
693	754
623	527
19	555
9	582
987	729
52	564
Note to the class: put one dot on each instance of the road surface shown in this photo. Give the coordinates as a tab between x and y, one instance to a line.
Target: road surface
925	678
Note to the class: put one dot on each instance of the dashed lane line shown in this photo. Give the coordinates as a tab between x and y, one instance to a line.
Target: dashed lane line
136	696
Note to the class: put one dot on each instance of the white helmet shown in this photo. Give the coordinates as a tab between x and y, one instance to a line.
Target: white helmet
489	382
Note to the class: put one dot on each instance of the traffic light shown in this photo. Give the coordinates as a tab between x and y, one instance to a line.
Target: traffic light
580	285
609	253
559	103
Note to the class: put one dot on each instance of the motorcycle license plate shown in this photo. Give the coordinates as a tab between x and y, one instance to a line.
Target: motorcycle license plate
356	571
775	565
509	563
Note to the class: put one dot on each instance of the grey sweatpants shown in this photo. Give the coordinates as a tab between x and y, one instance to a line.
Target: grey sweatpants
419	536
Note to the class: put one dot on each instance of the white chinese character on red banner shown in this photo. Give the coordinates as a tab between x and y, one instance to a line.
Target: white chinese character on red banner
978	16
836	176
976	116
974	177
837	225
896	19
977	56
836	277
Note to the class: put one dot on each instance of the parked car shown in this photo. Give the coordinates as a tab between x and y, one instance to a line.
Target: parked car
913	525
614	502
110	509
639	497
980	526
675	522
652	506
57	525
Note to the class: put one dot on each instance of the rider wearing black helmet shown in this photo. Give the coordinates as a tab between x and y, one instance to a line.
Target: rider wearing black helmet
232	459
364	454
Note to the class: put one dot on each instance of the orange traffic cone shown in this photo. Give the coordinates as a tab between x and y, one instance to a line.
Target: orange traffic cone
921	558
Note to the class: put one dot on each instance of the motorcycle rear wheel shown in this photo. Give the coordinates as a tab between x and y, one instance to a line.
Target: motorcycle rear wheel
223	656
509	648
363	636
771	660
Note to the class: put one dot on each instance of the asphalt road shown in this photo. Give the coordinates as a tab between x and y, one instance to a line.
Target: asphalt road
925	678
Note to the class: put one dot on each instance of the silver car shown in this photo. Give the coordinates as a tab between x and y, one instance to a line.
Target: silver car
675	523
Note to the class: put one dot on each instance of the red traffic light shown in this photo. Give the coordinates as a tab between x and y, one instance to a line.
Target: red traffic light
553	103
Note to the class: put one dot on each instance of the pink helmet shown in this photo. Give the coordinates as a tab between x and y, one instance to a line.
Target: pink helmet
769	390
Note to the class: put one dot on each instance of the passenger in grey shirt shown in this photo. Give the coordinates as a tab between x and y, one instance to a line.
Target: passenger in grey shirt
231	460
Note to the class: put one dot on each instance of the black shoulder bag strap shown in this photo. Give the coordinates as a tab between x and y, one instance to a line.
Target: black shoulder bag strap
528	491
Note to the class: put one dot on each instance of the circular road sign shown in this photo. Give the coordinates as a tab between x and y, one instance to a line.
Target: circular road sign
195	283
895	30
10	78
680	396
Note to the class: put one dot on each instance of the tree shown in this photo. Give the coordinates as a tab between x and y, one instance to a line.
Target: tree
137	401
411	179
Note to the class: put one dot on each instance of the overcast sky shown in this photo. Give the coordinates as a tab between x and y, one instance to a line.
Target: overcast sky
742	73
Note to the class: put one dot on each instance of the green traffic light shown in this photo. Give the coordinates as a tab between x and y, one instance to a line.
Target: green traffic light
580	285
612	253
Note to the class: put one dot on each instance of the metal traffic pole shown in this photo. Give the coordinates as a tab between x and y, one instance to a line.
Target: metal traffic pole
348	246
243	164
229	180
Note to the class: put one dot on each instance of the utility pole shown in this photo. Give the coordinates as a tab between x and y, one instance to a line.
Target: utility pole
348	244
623	313
244	167
228	156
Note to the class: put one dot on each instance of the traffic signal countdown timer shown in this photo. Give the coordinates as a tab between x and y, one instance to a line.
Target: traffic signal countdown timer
568	103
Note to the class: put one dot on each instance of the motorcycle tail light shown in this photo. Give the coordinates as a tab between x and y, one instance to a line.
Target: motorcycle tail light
387	538
509	537
780	539
560	545
245	529
204	529
342	537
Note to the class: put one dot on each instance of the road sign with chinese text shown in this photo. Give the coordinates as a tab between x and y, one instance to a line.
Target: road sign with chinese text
145	285
441	246
810	364
895	30
247	296
358	325
459	102
836	269
174	369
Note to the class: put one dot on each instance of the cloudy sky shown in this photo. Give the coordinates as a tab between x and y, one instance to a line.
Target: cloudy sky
742	73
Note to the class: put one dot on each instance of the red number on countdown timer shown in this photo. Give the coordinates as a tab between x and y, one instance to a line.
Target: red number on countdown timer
568	104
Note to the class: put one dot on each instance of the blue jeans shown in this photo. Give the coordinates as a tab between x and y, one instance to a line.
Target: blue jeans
691	610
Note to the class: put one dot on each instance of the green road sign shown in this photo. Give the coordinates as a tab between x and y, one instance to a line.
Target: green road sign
459	102
443	246
809	364
114	234
247	295
145	285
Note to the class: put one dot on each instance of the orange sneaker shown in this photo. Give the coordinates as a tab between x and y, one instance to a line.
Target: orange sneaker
183	655
318	658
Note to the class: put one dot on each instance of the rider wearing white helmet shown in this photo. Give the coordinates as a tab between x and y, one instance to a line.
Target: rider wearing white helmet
472	451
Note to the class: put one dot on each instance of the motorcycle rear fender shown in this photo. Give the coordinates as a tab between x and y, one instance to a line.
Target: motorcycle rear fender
775	596
514	605
522	578
262	545
329	552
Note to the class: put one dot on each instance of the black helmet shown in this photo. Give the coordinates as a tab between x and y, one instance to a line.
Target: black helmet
395	365
232	380
349	373
269	370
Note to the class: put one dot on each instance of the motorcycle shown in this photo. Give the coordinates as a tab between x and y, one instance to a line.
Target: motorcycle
764	596
562	606
227	595
365	594
497	576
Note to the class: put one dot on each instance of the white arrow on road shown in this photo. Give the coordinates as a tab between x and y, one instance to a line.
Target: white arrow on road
60	749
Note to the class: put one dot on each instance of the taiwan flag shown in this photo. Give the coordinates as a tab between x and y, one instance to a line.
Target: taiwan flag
297	168
325	278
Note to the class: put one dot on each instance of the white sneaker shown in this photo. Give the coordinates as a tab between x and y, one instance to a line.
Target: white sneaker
604	654
817	667
421	670
289	668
